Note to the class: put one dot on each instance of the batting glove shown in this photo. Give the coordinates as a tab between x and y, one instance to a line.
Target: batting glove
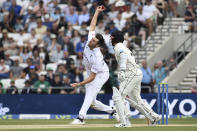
121	76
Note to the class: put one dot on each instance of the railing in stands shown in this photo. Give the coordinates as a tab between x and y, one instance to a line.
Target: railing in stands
181	52
145	48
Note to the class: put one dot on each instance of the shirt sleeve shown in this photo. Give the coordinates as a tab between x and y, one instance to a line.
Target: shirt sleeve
121	57
98	61
91	35
123	60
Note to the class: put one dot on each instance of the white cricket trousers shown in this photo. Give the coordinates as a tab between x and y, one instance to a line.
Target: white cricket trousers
131	90
92	89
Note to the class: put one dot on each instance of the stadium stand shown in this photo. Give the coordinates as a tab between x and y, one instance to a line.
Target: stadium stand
39	36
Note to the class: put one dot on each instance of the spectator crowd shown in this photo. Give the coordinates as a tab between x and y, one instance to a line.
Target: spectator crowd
42	41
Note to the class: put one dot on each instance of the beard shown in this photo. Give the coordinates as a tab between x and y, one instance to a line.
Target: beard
113	42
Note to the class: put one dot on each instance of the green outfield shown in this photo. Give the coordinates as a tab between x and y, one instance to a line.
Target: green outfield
188	124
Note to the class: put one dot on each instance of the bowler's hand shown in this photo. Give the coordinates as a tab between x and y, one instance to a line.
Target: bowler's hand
75	84
100	8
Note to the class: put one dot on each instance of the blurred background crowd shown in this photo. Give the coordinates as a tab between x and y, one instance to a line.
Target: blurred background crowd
42	41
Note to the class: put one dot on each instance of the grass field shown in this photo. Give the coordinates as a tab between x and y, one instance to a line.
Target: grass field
188	124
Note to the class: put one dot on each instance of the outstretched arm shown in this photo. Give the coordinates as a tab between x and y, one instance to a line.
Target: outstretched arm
94	19
86	81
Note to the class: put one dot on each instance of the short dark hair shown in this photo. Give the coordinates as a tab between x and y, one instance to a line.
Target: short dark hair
101	41
117	37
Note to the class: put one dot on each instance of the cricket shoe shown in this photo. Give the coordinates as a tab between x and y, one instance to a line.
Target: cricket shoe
156	119
78	121
115	115
128	121
122	125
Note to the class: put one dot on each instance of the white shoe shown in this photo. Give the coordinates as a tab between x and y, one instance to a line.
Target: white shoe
122	125
116	116
156	119
78	122
128	121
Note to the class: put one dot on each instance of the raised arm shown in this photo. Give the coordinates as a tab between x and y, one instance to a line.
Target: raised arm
94	19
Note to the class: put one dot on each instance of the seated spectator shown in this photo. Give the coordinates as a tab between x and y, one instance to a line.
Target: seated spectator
79	61
47	39
112	27
144	19
32	75
83	29
93	8
48	23
31	24
18	26
56	15
67	58
134	6
2	90
60	37
75	37
160	73
37	61
23	74
72	17
61	23
128	13
68	46
172	5
15	8
40	9
27	88
27	15
29	63
22	37
49	75
25	54
8	61
6	5
12	89
137	31
190	17
84	15
100	28
68	89
72	68
147	79
76	76
4	70
56	83
15	70
40	29
161	6
7	45
41	86
150	10
119	22
113	13
58	54
80	45
69	30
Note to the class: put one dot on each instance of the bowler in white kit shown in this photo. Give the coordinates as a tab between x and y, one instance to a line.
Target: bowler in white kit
97	70
130	77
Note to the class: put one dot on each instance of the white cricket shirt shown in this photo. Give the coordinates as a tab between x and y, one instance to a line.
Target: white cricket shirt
93	59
